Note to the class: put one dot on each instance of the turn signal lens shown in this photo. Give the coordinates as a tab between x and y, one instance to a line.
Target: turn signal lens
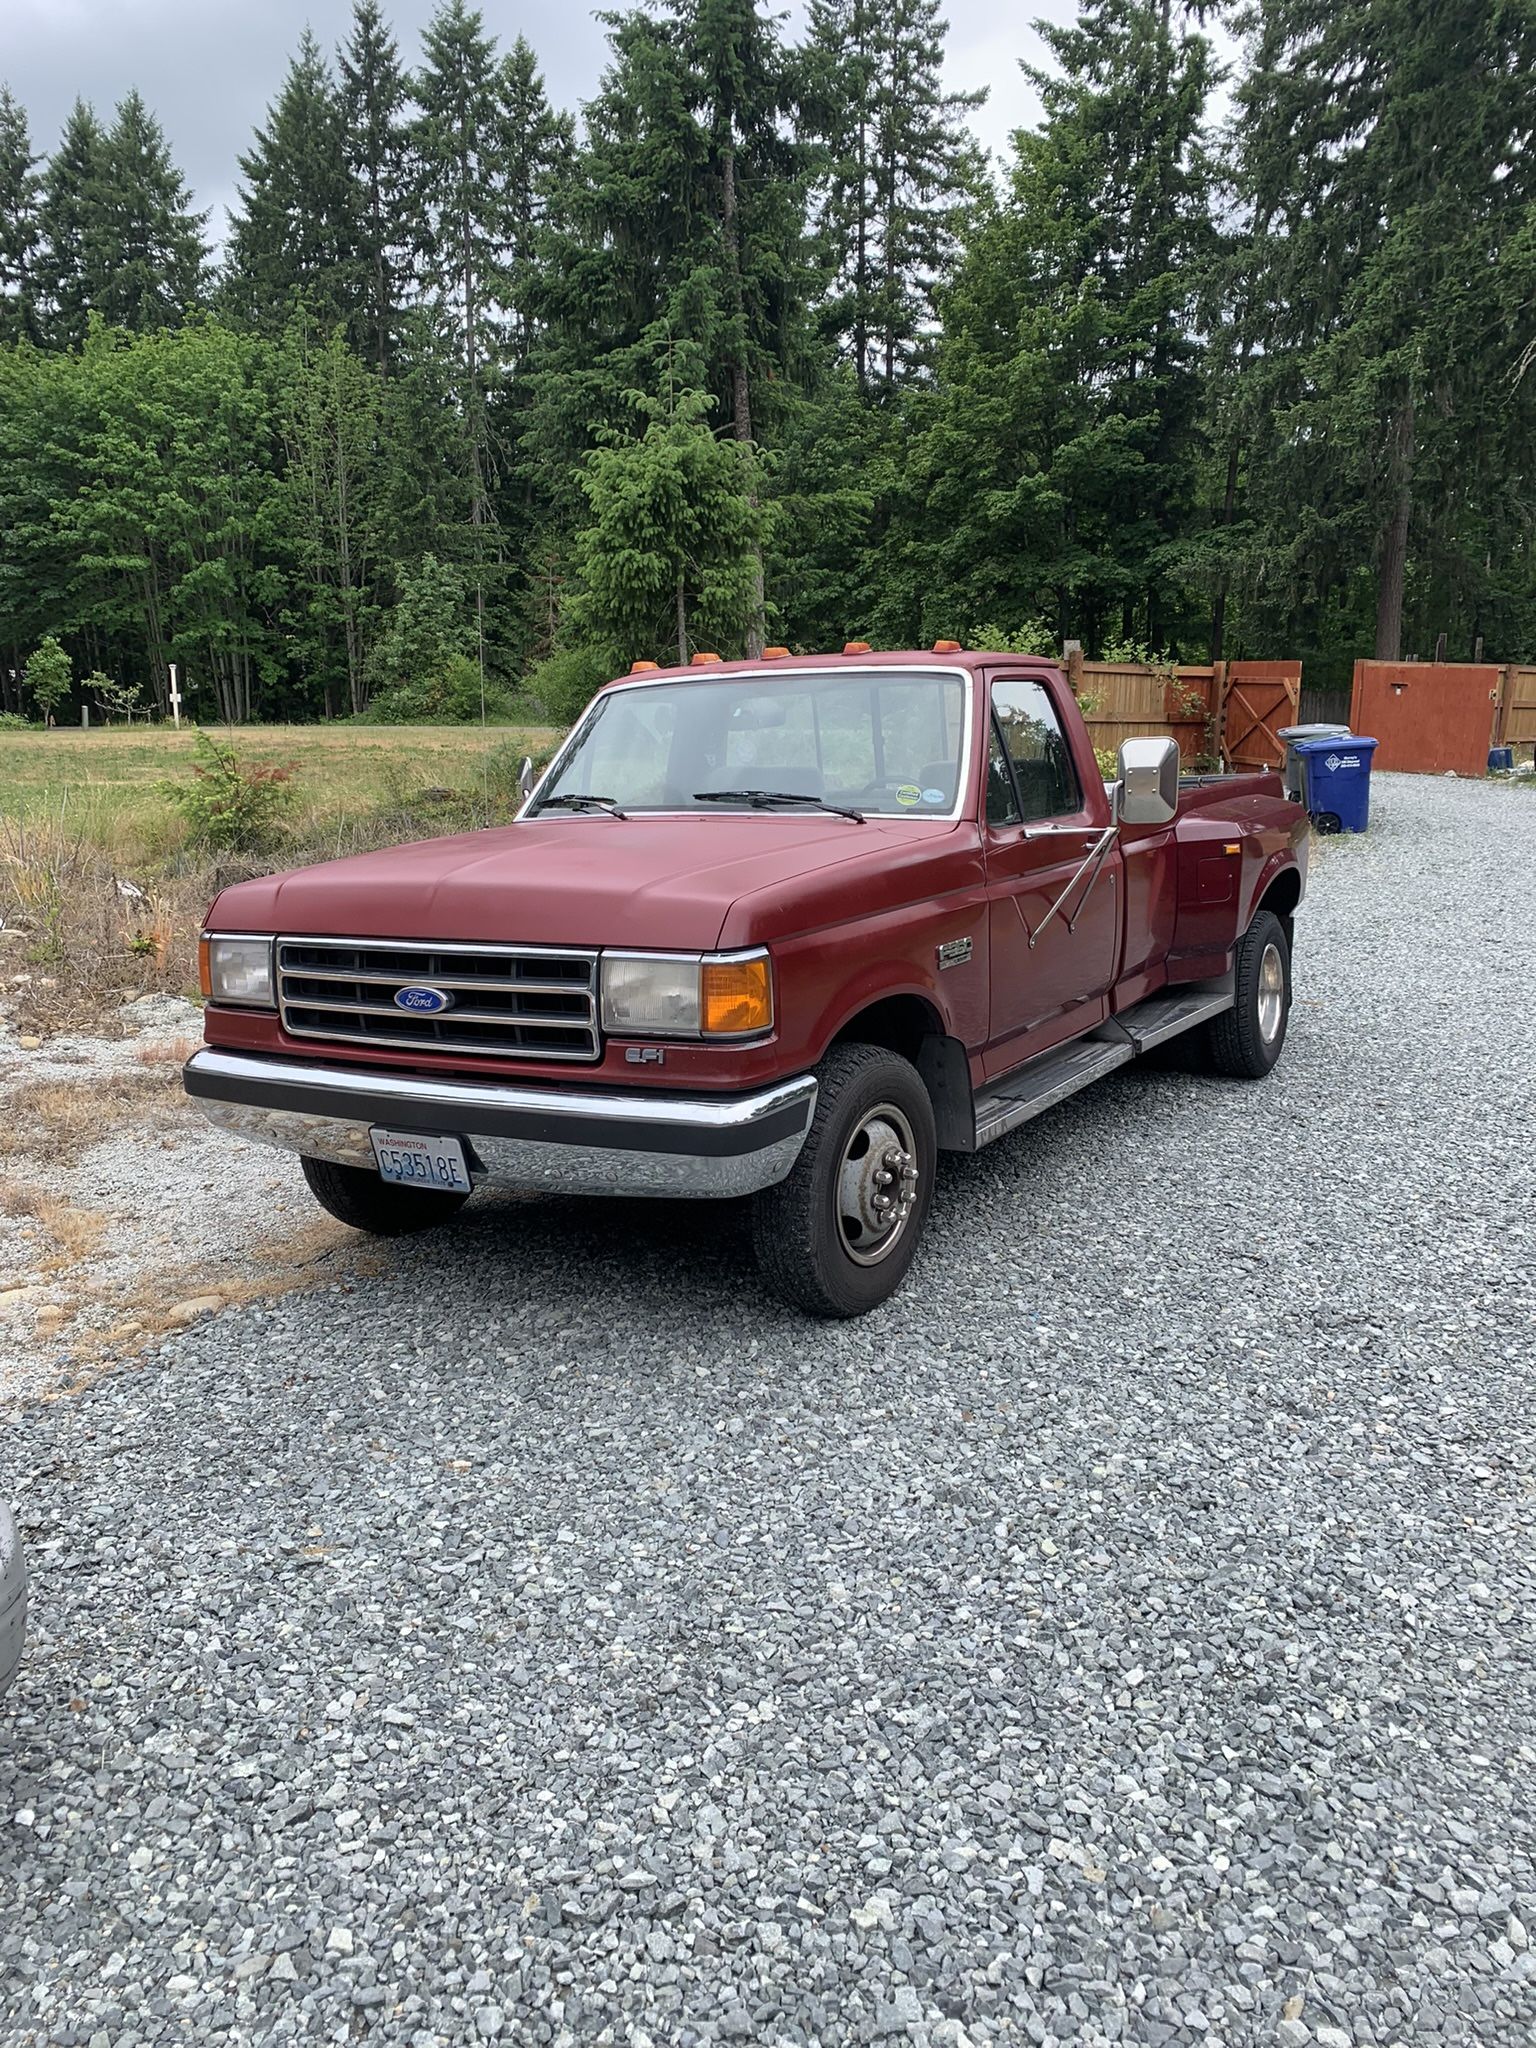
204	974
738	997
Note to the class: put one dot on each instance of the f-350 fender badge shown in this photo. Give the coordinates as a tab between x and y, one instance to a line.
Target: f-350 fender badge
954	952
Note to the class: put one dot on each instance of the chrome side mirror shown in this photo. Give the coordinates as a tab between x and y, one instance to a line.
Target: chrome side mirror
1149	781
526	777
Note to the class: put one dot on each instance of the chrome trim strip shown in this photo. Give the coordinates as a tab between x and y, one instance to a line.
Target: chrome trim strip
583	1142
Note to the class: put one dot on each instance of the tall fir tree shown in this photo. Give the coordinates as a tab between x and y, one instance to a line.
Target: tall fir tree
144	250
66	216
1387	158
375	98
293	239
901	174
1057	466
460	139
20	232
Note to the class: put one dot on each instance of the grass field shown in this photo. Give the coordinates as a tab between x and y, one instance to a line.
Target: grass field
107	787
103	885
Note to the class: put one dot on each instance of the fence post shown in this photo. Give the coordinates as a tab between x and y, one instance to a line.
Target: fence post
1072	654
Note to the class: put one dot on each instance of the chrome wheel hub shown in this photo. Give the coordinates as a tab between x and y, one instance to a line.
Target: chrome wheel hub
877	1185
1271	993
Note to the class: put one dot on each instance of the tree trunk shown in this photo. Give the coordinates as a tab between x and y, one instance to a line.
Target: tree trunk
1394	538
741	396
682	623
1219	607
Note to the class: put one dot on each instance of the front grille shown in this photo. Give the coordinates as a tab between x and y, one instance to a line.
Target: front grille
527	1002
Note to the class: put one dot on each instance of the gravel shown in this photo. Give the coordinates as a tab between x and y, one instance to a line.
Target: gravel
1125	1635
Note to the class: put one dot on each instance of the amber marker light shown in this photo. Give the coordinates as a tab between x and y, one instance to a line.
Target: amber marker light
639	668
775	654
204	971
946	646
1233	846
704	661
855	647
737	997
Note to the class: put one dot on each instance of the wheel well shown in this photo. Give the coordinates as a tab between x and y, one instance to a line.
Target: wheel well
1282	897
913	1028
899	1023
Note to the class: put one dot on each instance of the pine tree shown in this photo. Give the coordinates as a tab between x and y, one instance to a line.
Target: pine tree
20	195
459	141
673	549
900	177
294	234
144	250
374	98
1386	159
71	187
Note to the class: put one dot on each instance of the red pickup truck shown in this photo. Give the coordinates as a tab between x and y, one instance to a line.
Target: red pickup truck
782	929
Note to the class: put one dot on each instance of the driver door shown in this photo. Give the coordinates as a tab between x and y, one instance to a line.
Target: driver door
1036	833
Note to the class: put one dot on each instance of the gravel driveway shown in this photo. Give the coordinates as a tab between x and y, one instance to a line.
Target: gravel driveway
1126	1635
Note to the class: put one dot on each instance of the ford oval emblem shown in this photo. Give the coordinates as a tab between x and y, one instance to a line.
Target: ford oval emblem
429	1001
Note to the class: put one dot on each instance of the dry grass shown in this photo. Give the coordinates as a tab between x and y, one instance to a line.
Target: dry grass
106	788
58	1121
101	894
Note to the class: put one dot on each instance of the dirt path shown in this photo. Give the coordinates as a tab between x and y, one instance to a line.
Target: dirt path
123	1215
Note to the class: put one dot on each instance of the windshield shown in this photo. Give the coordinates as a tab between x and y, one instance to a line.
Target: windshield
883	742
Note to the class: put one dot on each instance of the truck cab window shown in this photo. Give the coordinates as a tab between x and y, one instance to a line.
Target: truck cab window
1036	748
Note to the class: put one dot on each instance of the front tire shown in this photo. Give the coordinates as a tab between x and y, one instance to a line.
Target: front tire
364	1201
1246	1040
836	1237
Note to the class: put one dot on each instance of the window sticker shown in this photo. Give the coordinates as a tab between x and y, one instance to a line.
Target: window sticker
933	796
908	795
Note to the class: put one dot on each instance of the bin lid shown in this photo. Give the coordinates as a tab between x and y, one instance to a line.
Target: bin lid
1313	732
1350	742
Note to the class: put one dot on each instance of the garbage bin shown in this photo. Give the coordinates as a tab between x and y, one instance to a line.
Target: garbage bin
1337	776
1293	773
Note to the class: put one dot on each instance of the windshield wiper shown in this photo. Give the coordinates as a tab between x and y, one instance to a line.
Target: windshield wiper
770	799
578	800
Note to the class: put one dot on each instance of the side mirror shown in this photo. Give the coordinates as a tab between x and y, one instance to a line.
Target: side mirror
526	777
1149	781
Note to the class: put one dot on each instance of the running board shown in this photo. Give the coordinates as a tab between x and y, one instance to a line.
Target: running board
1055	1075
1163	1017
1045	1082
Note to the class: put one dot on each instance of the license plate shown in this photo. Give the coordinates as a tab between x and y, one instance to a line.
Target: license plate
415	1159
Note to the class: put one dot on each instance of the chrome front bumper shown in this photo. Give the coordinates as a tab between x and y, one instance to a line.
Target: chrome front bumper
585	1141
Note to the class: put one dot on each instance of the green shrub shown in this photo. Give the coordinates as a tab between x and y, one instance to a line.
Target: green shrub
231	808
563	684
448	694
12	721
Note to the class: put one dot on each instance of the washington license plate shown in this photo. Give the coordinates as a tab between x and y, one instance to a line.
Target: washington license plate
414	1159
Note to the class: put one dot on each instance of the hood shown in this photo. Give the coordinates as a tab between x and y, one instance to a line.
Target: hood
587	880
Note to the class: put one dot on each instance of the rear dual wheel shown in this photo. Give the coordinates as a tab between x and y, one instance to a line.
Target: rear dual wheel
1246	1040
837	1236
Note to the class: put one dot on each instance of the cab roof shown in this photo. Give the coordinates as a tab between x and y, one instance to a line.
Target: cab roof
863	658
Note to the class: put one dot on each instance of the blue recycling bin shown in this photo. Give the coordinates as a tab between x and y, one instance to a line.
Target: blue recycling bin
1338	781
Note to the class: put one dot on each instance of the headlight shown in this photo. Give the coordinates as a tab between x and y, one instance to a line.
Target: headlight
687	995
236	970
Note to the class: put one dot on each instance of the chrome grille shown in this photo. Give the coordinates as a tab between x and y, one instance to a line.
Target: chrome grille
528	1002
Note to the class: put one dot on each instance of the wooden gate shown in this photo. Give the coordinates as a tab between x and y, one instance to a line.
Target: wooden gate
1260	697
1427	717
1517	708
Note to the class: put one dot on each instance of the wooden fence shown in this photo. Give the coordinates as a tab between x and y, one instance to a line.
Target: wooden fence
1228	710
1515	724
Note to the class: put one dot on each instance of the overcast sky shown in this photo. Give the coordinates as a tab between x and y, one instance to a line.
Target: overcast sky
209	68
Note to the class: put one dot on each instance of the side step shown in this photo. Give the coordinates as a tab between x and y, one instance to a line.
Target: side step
1163	1017
1045	1082
1054	1076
